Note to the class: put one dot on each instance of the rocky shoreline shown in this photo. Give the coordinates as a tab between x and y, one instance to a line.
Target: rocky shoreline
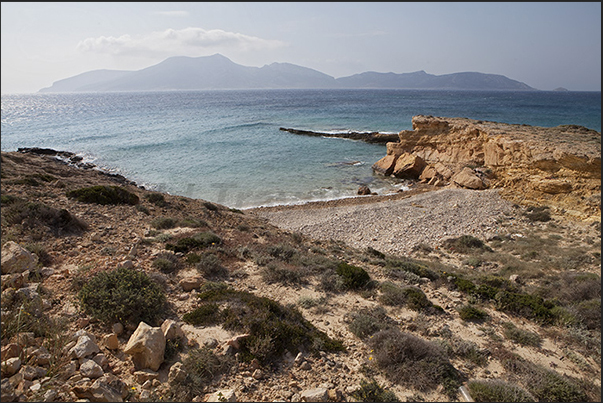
54	244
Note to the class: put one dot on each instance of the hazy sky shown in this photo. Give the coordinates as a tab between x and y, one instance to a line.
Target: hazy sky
545	45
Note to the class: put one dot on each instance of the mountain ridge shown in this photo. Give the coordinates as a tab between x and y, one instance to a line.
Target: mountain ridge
218	72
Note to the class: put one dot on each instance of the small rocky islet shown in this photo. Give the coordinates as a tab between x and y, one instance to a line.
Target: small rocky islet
111	292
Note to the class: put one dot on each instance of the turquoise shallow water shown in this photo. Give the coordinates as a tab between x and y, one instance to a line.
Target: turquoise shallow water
226	146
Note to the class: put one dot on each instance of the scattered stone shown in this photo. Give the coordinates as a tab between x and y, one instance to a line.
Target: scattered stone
364	190
235	342
177	374
171	330
91	369
191	283
145	375
16	259
315	395
84	347
222	396
117	328
11	366
111	341
146	346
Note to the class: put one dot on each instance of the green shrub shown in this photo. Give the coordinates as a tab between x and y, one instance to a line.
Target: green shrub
374	252
166	262
122	295
282	251
104	195
523	337
201	366
466	244
276	272
497	390
412	297
201	240
370	391
589	313
204	315
414	362
163	223
353	277
157	199
544	384
272	327
395	267
33	215
210	206
210	266
368	321
526	305
472	313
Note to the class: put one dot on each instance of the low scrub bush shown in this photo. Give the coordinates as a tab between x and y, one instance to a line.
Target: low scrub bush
210	266
497	390
529	306
157	199
520	336
353	277
472	313
166	262
164	223
466	244
368	321
414	362
201	366
412	297
200	240
396	268
272	327
371	391
122	295
34	215
544	384
277	272
104	195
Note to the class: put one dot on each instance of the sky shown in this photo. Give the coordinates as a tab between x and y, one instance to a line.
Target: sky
546	45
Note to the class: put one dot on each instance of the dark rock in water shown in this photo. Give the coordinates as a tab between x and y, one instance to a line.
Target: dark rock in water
369	137
364	190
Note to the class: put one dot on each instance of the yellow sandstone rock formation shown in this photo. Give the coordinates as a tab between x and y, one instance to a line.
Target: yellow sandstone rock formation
559	166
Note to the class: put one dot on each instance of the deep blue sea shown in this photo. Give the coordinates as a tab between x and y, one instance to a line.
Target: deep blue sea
226	146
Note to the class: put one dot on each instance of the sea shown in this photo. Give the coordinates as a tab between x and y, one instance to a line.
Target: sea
226	146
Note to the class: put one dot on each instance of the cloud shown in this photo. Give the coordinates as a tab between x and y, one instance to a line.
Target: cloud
172	13
187	41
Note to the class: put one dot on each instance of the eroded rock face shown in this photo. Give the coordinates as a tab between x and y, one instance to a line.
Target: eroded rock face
558	166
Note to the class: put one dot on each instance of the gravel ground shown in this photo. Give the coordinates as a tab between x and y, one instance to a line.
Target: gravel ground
397	226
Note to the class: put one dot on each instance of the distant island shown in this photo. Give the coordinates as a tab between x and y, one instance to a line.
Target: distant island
216	72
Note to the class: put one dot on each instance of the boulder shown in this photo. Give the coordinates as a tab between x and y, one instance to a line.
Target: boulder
146	346
364	190
385	165
16	259
91	369
10	366
468	179
84	347
409	166
171	330
554	186
315	395
191	283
